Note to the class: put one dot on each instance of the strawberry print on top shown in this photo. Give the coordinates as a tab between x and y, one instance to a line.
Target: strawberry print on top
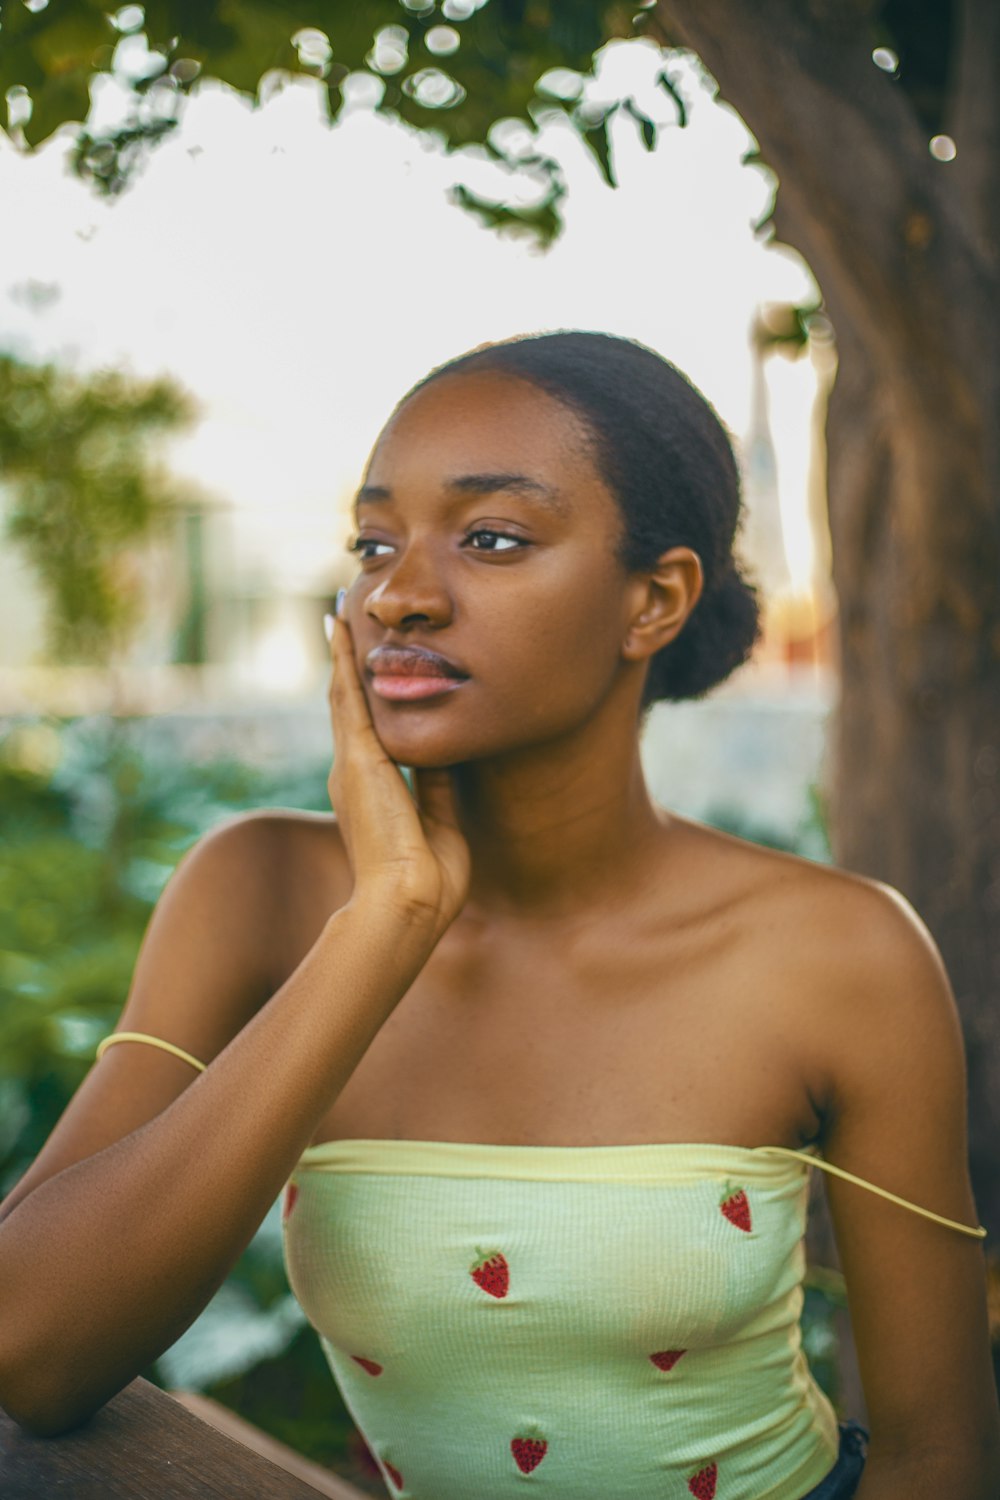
368	1364
667	1358
529	1448
491	1272
702	1483
393	1474
736	1207
291	1193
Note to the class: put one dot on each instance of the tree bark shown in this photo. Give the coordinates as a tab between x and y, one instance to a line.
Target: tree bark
973	120
904	248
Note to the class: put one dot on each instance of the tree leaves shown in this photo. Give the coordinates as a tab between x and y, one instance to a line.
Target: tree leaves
505	47
541	220
53	55
596	139
74	454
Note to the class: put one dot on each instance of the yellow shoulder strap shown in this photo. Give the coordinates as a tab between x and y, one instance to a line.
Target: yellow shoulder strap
826	1166
154	1041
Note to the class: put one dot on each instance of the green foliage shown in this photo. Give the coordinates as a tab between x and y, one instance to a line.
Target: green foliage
456	69
92	830
53	53
541	222
74	454
821	1302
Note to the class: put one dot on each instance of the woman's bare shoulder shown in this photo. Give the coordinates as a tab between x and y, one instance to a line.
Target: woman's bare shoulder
302	856
825	896
277	845
260	831
844	956
865	982
790	885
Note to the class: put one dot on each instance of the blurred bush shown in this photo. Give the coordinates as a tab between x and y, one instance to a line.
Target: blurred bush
85	495
93	828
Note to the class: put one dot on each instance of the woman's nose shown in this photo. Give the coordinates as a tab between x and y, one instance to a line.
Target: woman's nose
412	590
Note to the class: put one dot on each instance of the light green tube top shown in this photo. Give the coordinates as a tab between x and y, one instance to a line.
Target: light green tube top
595	1323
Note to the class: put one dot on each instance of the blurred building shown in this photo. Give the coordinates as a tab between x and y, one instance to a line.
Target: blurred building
799	616
218	628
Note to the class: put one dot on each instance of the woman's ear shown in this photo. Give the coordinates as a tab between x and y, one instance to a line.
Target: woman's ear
664	597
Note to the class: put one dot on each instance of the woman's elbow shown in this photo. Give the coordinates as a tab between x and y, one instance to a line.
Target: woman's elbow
42	1422
42	1407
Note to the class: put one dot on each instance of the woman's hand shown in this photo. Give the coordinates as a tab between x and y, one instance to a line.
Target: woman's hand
406	852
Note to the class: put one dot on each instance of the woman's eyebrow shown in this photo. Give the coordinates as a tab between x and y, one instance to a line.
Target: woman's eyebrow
479	484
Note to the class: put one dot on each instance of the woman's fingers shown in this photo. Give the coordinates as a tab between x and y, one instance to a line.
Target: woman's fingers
347	696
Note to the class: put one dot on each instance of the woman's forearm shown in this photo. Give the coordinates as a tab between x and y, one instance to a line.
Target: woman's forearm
919	1475
104	1265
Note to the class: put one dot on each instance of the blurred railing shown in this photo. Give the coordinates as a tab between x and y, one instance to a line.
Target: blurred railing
147	1445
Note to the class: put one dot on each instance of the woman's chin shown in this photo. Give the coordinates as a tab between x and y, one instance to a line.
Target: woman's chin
423	749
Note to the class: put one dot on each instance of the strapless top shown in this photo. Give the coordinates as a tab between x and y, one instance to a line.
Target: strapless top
602	1322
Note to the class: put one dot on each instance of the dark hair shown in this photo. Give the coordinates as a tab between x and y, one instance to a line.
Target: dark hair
666	457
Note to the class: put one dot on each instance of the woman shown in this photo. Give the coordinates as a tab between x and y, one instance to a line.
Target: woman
545	1066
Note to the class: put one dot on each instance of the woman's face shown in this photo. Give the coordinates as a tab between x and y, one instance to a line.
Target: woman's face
485	536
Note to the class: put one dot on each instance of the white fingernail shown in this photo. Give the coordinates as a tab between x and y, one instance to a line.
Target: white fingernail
328	627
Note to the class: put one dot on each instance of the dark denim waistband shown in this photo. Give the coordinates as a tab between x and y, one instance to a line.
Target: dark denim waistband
844	1477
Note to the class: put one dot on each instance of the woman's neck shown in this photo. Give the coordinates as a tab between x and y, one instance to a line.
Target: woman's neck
558	830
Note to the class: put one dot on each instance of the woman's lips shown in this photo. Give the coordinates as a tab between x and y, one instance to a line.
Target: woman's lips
404	689
404	673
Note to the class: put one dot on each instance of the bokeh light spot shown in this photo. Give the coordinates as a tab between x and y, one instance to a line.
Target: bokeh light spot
943	148
560	83
185	69
434	89
389	52
442	40
886	59
313	47
129	18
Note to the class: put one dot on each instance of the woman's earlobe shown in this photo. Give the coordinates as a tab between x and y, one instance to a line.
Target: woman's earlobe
649	632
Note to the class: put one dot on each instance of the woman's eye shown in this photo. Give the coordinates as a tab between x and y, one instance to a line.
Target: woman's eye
361	545
484	539
512	542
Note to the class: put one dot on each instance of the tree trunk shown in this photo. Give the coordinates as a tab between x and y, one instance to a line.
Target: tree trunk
916	753
905	251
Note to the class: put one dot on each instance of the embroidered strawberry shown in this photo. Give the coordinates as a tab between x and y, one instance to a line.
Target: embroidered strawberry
491	1272
368	1364
528	1448
397	1477
667	1358
736	1207
702	1483
291	1193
